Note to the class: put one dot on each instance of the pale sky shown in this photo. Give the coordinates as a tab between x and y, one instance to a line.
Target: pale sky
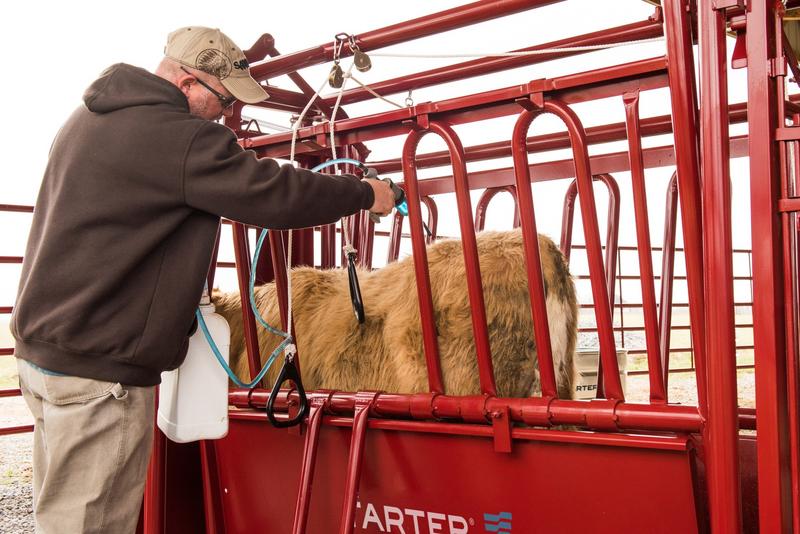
58	48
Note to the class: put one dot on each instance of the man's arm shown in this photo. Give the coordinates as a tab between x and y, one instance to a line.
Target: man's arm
221	178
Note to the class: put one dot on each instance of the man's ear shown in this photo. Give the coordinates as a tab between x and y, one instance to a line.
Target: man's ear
184	83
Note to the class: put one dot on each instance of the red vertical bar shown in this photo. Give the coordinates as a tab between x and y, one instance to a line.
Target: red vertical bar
684	126
469	248
612	237
242	257
600	292
307	469
276	240
155	488
793	386
357	439
212	269
211	498
657	393
278	247
328	246
789	169
533	261
667	278
427	320
774	492
395	235
612	240
722	458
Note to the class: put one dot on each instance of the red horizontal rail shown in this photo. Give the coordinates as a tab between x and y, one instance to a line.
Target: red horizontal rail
10	392
535	411
10	259
630	32
607	133
6	309
424	26
636	277
541	172
591	85
631	248
16	208
640	328
7	431
678	305
6	352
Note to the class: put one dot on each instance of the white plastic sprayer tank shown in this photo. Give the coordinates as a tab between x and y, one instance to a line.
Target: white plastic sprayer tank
193	399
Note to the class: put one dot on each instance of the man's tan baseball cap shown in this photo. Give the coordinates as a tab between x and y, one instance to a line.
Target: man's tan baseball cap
211	51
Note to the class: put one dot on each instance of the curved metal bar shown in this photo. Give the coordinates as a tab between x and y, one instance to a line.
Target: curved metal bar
483	205
433	218
655	372
684	107
363	404
470	250
612	242
667	277
612	226
395	234
533	261
600	291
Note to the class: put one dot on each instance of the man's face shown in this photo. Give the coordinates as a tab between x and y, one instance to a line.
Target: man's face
205	102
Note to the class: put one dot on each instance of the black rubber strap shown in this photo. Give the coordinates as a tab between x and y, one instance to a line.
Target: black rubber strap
355	290
288	373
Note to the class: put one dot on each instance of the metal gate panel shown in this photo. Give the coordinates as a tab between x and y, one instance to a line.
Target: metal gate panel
416	478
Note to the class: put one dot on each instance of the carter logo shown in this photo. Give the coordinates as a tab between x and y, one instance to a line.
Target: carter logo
242	64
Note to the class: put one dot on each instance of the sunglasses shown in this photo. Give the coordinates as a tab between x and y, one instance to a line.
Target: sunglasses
224	101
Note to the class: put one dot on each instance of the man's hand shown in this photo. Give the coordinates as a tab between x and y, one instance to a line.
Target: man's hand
384	197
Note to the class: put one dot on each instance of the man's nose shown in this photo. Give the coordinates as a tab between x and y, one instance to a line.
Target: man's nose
227	112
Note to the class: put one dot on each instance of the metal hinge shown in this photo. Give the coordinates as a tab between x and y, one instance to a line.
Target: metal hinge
776	66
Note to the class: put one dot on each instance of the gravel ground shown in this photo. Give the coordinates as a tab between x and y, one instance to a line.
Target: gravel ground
16	497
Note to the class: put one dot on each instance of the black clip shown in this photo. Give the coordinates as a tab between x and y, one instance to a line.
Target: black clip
355	290
288	372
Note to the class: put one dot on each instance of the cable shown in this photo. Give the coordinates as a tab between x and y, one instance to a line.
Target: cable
373	93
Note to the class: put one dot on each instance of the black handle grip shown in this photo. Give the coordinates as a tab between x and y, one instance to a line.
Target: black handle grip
288	372
355	289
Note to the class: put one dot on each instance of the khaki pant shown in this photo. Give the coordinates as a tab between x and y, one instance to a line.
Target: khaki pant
91	447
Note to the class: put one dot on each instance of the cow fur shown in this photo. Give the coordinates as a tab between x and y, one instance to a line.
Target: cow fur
386	352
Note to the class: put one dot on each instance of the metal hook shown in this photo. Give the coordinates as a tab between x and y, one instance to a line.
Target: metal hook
409	100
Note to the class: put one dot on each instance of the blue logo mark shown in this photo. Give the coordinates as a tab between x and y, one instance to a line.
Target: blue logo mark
499	523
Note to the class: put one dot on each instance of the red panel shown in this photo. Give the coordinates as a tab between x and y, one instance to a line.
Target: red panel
456	481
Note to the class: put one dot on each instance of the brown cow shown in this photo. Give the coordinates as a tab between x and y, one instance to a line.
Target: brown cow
386	352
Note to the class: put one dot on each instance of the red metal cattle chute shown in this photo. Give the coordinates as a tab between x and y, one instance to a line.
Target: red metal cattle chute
374	461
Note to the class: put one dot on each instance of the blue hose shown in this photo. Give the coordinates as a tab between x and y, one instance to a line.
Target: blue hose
402	208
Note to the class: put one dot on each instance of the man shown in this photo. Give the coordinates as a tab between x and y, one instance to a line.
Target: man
121	241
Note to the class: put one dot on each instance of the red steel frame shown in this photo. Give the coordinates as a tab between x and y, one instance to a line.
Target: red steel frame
712	324
713	426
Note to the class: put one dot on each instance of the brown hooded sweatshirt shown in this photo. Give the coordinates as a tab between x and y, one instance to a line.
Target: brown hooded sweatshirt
125	224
